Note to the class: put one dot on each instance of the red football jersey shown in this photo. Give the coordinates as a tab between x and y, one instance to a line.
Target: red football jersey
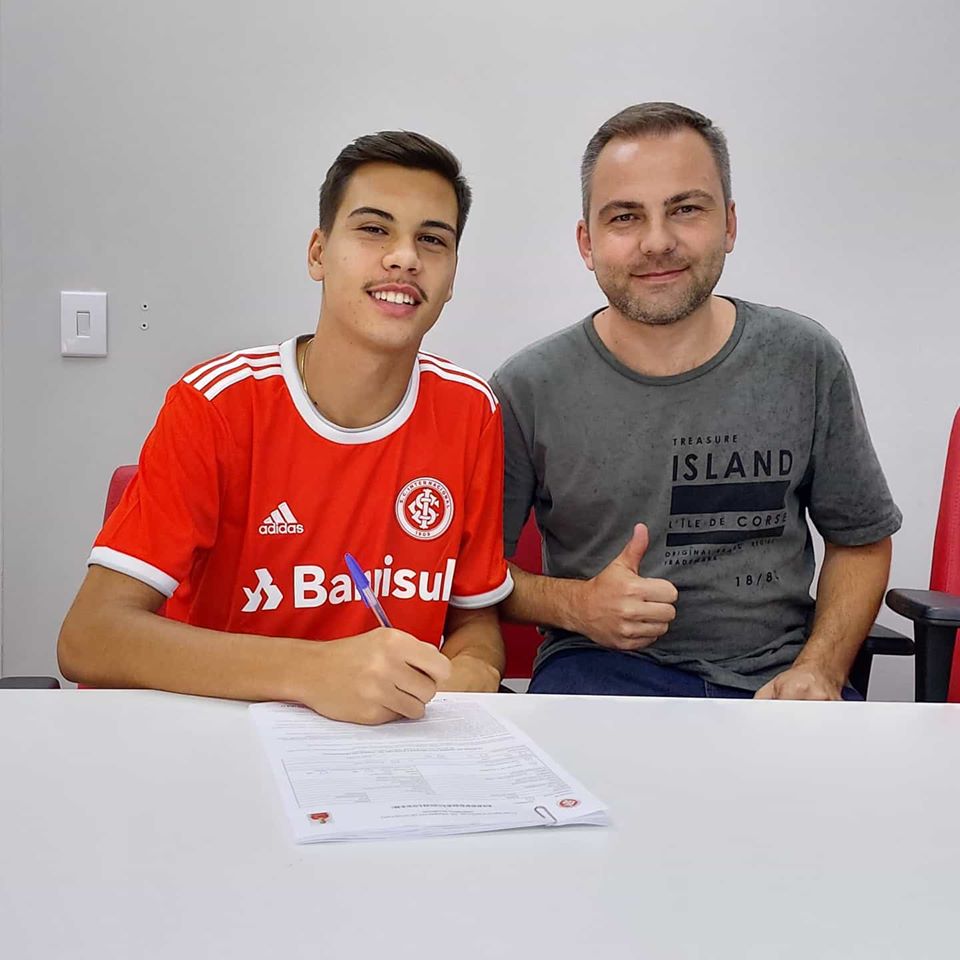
247	499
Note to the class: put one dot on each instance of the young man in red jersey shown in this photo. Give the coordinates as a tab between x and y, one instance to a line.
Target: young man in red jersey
267	465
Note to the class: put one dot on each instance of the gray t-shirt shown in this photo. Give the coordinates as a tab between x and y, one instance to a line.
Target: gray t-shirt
723	463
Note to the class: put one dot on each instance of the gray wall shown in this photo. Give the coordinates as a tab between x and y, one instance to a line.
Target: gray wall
170	153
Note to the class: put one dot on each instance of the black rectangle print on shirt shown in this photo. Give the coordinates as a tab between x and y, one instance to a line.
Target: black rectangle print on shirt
726	512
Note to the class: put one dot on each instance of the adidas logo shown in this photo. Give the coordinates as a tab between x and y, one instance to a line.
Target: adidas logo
281	520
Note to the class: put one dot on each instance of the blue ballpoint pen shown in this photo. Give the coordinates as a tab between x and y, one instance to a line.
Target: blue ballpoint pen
366	592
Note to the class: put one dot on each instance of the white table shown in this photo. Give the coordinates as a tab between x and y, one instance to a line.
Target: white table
141	825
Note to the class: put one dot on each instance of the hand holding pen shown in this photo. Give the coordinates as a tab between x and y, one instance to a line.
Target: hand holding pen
383	674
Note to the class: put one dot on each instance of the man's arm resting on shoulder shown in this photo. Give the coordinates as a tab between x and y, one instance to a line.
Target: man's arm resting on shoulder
112	637
617	608
849	592
475	648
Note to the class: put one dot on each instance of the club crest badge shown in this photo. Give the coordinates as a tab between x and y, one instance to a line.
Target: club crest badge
424	508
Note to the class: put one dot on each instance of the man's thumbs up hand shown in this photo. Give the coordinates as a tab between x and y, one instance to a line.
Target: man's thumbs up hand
621	609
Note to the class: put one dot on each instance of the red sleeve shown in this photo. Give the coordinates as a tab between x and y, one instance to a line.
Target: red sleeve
170	510
482	578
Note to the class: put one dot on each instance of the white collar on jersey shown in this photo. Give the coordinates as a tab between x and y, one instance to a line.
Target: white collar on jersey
327	428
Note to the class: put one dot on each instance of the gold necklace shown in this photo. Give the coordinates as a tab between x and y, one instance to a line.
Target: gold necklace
301	363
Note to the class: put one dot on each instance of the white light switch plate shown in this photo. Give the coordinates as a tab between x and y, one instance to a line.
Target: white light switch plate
83	324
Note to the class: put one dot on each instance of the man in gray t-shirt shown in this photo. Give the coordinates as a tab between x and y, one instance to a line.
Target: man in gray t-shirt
673	445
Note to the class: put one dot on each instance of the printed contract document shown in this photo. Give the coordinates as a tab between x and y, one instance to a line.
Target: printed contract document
461	769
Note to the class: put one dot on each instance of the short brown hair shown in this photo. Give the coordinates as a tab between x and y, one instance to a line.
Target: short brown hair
402	147
644	119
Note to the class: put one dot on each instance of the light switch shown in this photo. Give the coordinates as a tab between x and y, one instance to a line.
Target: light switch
83	324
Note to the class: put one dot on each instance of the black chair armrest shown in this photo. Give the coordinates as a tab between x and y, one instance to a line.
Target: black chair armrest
886	642
936	617
926	606
29	683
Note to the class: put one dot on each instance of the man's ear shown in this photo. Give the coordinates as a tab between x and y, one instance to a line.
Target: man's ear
315	254
584	244
731	232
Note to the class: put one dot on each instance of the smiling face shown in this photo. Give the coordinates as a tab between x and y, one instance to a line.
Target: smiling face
658	229
388	262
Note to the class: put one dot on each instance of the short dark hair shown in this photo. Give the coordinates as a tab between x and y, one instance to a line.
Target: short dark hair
656	117
402	147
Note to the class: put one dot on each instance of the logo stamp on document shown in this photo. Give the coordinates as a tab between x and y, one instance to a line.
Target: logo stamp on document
321	816
424	508
568	802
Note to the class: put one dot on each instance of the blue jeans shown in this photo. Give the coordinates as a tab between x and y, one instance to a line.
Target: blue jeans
612	673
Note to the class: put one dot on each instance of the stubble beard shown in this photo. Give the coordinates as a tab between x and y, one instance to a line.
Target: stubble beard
651	309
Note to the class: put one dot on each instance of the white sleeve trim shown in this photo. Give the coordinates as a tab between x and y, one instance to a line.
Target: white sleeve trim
487	599
132	567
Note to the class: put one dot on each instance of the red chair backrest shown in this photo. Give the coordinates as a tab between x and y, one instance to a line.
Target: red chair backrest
945	567
521	640
118	483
